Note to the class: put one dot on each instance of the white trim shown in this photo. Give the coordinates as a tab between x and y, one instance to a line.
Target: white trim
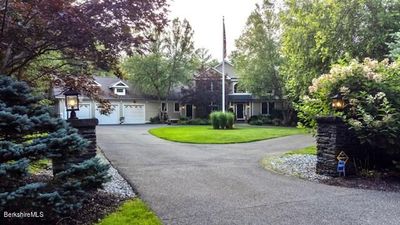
166	106
115	85
97	84
179	108
120	93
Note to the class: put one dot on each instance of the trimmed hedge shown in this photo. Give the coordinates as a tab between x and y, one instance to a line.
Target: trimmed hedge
220	120
194	122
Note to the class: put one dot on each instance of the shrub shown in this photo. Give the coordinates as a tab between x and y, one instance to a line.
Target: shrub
252	118
155	120
183	118
371	92
198	121
214	117
256	122
260	120
29	132
276	121
266	119
230	119
221	120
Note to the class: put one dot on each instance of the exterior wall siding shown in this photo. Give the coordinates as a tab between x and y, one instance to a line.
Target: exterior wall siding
152	108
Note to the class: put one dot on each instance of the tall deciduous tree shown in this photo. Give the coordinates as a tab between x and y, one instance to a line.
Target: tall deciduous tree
257	57
84	35
317	34
168	62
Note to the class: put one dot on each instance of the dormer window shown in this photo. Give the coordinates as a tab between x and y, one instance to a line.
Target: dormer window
119	88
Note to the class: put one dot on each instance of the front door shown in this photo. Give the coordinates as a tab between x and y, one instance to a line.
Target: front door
189	111
239	111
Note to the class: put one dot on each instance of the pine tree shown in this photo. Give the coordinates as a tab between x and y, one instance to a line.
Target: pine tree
29	132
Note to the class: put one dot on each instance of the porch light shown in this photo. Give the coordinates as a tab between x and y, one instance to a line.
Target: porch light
72	102
338	102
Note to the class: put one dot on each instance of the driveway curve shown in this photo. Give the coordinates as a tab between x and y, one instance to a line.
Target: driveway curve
225	184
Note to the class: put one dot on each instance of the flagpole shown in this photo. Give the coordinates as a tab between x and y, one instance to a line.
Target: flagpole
223	65
223	85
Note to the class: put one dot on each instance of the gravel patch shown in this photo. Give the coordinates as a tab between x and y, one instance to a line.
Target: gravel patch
117	185
302	166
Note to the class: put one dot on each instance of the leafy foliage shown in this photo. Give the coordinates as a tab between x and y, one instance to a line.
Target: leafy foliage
70	40
30	132
370	90
204	92
257	56
168	61
395	47
222	120
317	34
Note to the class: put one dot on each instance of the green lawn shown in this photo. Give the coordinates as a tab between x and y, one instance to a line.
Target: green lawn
133	212
207	135
311	150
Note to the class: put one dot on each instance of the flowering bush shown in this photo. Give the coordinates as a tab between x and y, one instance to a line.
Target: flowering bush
371	91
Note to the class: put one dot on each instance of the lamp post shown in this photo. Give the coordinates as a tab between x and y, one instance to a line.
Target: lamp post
71	103
338	102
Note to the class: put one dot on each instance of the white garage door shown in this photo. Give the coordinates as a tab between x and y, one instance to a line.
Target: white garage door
84	111
112	118
134	113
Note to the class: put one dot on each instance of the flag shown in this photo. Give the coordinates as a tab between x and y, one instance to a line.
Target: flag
224	38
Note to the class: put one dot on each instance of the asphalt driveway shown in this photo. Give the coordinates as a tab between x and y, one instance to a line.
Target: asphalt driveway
225	184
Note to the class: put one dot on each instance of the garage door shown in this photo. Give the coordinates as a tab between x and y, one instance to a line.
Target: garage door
134	113
84	111
112	118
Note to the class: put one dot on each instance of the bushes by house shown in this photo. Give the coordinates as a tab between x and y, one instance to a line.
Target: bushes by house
260	120
222	120
197	121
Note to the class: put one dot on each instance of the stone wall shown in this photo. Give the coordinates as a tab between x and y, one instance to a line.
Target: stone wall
334	136
87	129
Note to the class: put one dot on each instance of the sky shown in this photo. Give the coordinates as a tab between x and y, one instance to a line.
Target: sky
205	17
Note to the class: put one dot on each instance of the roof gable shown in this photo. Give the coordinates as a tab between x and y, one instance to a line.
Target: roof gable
119	84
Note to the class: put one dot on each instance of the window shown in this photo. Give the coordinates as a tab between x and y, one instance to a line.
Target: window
212	86
237	89
264	108
163	107
119	91
271	107
176	107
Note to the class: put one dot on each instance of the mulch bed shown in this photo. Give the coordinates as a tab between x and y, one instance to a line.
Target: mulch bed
390	183
96	207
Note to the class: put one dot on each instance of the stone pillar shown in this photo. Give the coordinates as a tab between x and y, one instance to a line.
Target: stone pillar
87	129
334	136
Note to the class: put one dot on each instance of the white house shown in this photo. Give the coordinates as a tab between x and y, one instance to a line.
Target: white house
129	105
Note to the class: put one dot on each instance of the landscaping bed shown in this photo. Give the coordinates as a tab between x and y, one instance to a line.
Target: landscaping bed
208	135
100	203
302	163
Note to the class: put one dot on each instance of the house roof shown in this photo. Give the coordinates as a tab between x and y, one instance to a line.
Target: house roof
107	84
229	70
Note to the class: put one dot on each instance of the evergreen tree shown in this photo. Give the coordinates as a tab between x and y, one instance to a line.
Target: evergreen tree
29	132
